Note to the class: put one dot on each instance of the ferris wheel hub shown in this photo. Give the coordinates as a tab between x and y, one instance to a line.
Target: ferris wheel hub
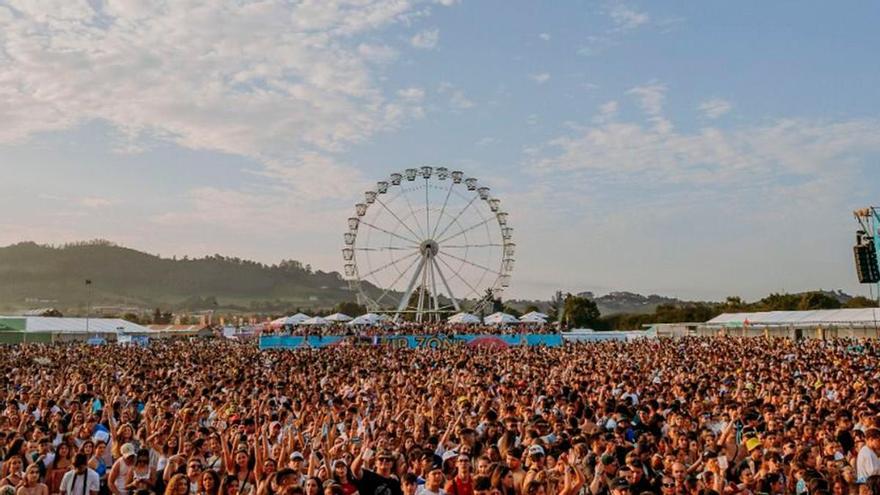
429	247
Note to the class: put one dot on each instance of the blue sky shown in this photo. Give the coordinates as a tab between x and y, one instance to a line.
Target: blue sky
696	149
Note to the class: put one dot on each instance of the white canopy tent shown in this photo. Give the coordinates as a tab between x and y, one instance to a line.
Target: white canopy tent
464	319
338	317
367	319
532	314
822	317
533	318
500	319
296	319
316	320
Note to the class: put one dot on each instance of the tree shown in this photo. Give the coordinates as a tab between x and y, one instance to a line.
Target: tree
132	318
817	300
351	308
860	302
579	311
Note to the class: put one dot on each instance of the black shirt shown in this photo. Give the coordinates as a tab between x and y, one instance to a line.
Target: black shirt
374	484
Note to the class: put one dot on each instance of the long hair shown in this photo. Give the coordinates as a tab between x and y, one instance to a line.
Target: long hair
174	481
498	475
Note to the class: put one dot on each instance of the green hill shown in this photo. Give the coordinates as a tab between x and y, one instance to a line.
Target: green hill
33	275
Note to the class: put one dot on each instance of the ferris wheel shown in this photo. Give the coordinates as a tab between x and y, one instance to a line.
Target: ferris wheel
427	242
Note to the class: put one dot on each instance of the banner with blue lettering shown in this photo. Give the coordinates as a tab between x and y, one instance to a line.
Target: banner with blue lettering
410	341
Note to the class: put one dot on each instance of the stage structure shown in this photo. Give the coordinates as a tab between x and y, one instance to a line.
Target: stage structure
867	241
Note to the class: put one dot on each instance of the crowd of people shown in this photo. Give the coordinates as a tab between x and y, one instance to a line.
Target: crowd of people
409	328
695	416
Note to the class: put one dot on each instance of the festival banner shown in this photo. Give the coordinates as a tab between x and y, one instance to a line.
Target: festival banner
410	341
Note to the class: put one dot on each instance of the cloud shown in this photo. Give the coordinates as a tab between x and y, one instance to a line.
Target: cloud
457	99
623	19
540	78
267	80
650	97
544	36
426	39
769	154
714	108
627	18
96	202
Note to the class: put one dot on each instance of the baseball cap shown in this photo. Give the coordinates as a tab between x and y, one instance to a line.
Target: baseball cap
385	454
449	454
607	459
128	450
536	450
296	455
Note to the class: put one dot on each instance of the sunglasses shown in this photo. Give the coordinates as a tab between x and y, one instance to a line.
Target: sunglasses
668	485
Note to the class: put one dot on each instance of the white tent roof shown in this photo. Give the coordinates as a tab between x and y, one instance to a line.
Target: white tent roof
338	317
861	316
296	319
464	318
534	317
531	314
315	320
48	324
500	319
367	319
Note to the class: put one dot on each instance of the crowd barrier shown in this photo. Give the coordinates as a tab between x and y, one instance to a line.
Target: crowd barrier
410	341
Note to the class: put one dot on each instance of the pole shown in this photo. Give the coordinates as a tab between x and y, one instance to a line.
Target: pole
88	303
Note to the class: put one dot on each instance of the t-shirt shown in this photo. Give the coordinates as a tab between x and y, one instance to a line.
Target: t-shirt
423	490
374	484
867	464
72	482
459	486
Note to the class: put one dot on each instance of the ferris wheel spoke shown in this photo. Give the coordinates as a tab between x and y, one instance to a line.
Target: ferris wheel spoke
387	248
446	284
443	208
472	227
397	279
427	210
407	227
380	229
457	216
466	246
456	274
463	260
413	211
390	264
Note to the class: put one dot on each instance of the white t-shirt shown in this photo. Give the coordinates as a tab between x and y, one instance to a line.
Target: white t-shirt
423	490
72	482
867	464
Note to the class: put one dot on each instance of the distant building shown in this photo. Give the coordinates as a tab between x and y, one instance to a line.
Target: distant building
18	329
829	323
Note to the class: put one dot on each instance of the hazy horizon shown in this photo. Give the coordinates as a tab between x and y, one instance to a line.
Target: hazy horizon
685	150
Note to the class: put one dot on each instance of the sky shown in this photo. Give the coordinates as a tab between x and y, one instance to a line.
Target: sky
690	149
